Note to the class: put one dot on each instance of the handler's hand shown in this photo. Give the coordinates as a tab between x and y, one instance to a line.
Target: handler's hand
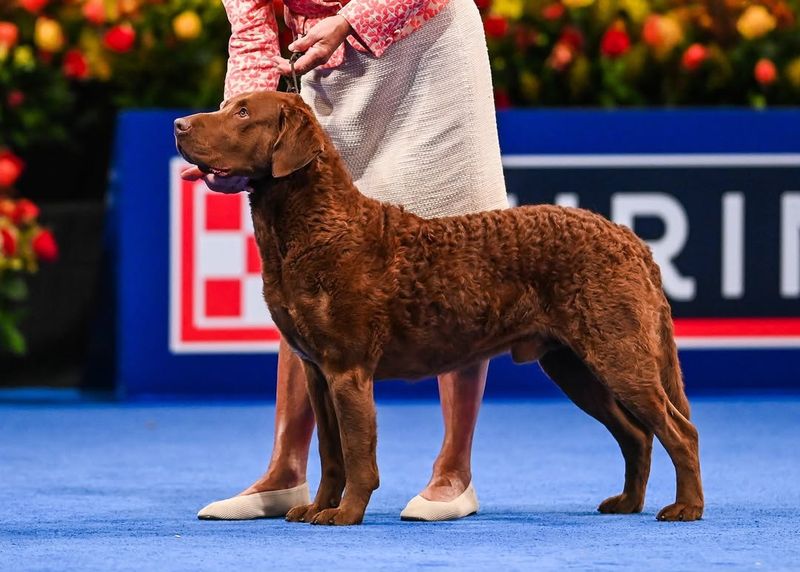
318	44
228	185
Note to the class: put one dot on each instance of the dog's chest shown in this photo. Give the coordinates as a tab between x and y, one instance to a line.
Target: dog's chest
303	318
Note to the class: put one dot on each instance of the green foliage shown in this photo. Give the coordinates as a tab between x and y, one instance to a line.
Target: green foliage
13	292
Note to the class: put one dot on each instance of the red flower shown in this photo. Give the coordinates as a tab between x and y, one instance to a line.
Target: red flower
765	72
651	31
694	56
561	56
11	168
94	11
553	11
15	98
120	38
524	38
8	242
7	208
75	65
44	246
26	212
615	42
571	37
483	4
501	99
33	6
495	26
9	34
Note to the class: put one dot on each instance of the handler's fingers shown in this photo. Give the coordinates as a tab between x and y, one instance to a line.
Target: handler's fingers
282	65
192	173
305	42
305	63
312	58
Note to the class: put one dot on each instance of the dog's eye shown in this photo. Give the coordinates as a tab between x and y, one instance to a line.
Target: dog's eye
243	112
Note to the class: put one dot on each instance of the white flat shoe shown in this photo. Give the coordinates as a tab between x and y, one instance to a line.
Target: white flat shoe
257	505
420	508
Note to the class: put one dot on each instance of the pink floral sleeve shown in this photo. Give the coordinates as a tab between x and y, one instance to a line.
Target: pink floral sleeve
379	23
254	40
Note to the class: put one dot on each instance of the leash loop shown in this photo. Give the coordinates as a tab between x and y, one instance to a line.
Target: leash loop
294	86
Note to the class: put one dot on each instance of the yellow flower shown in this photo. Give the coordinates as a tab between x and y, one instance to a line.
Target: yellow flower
48	35
511	9
636	9
529	85
23	58
793	73
187	25
101	69
755	22
661	33
128	7
580	77
95	55
671	32
576	3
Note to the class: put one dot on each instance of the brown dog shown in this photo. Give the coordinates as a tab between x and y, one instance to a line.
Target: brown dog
363	291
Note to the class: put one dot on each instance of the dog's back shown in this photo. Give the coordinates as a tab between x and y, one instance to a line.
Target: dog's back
474	284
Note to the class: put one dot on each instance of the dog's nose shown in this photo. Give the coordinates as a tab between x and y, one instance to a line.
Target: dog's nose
182	125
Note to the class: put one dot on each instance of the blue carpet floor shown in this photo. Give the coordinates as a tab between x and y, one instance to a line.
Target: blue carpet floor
93	486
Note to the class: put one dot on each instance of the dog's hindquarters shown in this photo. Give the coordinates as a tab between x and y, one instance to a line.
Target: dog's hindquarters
618	324
590	394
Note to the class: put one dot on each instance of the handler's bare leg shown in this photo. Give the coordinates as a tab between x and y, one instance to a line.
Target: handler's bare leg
460	393
294	425
283	485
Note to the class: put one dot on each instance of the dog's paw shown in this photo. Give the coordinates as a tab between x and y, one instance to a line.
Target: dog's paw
302	513
621	504
338	517
680	512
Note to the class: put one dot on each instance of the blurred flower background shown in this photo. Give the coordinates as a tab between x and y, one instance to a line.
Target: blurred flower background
67	66
633	52
171	53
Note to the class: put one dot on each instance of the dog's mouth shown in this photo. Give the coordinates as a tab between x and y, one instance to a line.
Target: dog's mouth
214	171
204	167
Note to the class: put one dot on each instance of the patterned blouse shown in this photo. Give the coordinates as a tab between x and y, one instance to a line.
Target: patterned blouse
254	32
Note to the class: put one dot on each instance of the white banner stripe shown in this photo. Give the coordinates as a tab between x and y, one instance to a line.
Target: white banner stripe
653	160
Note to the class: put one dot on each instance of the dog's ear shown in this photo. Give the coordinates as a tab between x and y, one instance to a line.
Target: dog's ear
297	144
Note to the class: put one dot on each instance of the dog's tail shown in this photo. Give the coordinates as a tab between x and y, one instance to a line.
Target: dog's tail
671	376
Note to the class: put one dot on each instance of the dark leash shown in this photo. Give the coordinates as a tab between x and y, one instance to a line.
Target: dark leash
293	85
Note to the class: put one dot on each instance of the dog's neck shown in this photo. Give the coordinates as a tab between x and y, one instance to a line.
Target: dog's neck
315	201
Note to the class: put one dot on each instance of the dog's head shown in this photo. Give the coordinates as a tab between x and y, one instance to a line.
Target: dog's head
254	135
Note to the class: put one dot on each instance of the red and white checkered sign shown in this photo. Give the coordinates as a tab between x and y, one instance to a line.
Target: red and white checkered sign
216	304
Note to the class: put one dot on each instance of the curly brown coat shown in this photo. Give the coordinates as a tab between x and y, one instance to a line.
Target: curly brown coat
363	290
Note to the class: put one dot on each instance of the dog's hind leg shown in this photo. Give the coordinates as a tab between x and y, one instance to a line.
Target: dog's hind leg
629	368
352	395
331	485
636	443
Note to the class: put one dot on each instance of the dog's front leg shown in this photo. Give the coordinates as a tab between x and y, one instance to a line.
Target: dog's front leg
355	410
329	493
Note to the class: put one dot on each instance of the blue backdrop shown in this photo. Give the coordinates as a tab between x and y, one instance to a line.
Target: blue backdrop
702	161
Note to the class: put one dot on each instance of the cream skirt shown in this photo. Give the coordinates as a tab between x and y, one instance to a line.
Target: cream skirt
416	127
